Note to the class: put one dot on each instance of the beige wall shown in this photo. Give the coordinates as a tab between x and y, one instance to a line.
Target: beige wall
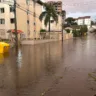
22	18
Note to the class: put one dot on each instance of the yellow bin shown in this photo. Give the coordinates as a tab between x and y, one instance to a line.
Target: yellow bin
4	47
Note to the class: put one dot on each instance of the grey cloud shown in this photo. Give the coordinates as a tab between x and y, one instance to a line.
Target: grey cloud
83	6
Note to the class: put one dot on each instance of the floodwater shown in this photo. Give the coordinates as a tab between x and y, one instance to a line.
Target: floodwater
51	69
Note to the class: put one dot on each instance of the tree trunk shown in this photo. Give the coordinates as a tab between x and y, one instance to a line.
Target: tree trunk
49	25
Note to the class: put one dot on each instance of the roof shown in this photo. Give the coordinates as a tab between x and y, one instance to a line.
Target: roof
85	17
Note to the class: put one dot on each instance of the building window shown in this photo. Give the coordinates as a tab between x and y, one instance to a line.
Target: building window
2	10
2	21
12	20
27	21
11	9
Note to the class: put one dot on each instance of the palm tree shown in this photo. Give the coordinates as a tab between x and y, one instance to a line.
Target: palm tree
48	14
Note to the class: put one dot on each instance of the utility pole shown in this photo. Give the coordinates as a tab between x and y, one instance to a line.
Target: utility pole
16	33
34	1
35	17
62	26
28	19
63	18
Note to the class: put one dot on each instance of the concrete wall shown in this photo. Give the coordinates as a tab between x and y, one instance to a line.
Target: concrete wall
54	36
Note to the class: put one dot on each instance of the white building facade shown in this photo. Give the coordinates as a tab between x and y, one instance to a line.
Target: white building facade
84	21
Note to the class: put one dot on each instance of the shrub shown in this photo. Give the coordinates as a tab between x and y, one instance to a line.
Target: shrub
42	30
76	33
83	29
67	30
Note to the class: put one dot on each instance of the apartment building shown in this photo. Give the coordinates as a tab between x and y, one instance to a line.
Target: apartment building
26	21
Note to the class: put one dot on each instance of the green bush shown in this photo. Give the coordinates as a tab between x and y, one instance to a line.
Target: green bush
5	40
83	30
67	30
76	33
42	30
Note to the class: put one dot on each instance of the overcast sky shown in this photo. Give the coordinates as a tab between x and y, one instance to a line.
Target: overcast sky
78	8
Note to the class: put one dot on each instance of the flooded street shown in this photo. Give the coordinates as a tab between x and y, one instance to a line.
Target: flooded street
51	69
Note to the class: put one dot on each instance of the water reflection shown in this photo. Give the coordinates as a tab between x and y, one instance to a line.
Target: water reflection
38	61
19	58
3	56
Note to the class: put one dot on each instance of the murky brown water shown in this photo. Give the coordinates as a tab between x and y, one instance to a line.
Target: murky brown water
50	69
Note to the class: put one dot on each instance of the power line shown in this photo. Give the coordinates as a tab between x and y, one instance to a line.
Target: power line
28	11
22	8
79	4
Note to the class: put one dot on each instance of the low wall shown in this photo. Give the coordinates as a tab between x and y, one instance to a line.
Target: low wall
45	38
68	36
34	42
56	35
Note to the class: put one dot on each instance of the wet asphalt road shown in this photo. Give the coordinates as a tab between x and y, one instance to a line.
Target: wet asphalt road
51	69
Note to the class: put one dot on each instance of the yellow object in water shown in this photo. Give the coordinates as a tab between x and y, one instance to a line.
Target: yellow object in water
4	47
1	58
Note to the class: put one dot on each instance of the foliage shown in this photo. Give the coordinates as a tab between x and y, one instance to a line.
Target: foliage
67	30
48	14
83	29
76	33
5	40
42	30
71	21
93	22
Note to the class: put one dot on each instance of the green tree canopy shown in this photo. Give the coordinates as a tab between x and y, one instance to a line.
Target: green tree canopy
71	21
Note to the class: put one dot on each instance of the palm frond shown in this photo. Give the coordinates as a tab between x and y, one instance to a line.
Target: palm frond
47	19
42	15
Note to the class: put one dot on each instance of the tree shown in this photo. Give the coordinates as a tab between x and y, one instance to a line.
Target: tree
71	21
92	23
48	14
83	29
